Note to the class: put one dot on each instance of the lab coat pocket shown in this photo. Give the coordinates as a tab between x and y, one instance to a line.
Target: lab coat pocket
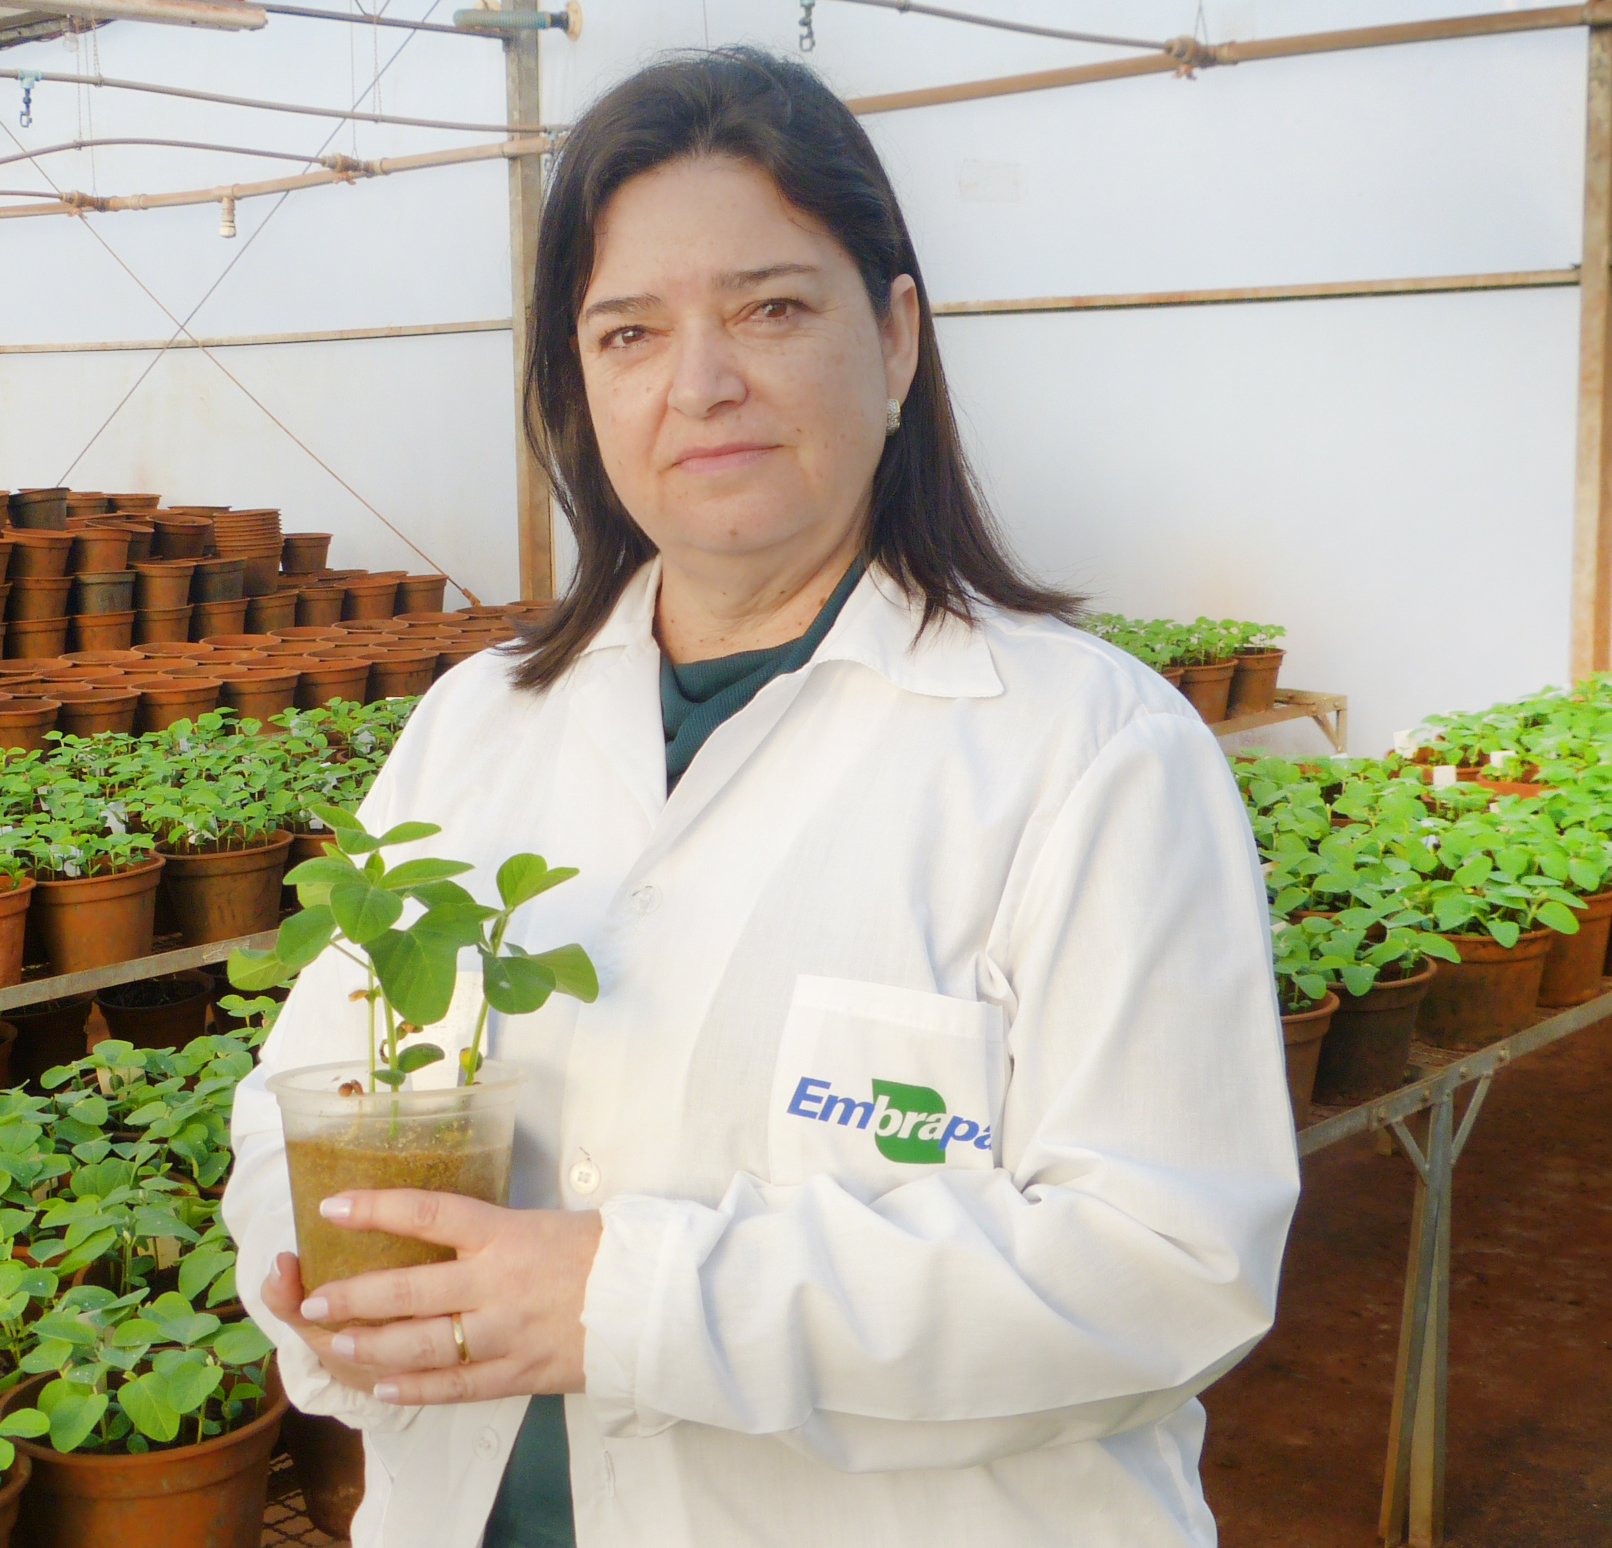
877	1086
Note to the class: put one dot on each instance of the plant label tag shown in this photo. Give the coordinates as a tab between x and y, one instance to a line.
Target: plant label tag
1405	743
1497	757
1444	775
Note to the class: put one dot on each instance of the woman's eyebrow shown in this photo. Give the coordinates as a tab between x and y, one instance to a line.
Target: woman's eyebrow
739	279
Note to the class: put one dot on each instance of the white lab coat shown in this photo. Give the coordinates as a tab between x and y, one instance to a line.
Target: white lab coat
1003	872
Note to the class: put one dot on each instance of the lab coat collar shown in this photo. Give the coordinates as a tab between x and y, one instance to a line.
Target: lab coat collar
877	628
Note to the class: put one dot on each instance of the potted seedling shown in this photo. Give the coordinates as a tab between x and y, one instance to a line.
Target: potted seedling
371	1125
1258	664
1305	973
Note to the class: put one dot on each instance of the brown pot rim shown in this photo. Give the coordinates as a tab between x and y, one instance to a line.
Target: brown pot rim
1323	1007
1388	986
1530	943
117	883
250	858
149	1461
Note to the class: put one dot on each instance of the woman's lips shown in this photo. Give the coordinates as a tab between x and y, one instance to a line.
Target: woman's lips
722	459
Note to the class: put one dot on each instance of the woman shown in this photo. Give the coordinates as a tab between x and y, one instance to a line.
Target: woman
927	1148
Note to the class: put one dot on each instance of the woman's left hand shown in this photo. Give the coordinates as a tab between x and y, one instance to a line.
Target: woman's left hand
517	1284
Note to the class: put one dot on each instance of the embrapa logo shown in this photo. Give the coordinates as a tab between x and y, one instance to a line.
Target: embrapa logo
909	1123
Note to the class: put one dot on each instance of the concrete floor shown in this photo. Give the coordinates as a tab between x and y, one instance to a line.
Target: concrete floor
1297	1433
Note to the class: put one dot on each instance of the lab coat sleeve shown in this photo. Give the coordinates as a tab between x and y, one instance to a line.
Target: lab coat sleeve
1122	1255
318	1024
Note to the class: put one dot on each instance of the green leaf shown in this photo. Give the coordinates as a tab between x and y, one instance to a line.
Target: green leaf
515	985
392	1078
1505	931
1437	946
197	1270
255	970
172	1313
364	911
1559	917
523	877
440	893
335	817
409	833
416	974
304	935
417	1057
145	1400
191	1384
419	873
313	879
241	1343
26	1422
453	925
573	972
1357	977
73	1412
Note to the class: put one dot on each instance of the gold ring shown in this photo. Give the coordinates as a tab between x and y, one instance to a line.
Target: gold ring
459	1340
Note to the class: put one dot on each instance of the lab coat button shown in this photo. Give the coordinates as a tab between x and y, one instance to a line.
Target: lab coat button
646	899
584	1175
487	1444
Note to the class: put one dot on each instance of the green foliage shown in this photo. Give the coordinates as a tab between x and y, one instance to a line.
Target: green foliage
353	901
1161	642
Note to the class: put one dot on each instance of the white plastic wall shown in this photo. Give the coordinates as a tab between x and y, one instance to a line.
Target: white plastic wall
1389	478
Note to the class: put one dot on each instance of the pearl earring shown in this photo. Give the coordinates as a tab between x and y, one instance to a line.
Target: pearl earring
892	416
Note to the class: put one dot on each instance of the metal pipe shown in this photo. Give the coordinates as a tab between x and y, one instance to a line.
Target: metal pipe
272	107
977	20
201	145
363	19
493	22
1523	279
340	169
1493	24
223	15
239	340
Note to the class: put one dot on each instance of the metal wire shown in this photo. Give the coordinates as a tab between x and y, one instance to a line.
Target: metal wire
975	19
364	18
272	107
201	145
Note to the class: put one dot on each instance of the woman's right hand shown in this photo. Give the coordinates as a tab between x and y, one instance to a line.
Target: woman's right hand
283	1295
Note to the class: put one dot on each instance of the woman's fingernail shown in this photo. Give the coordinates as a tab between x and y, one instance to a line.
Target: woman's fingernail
344	1345
275	1276
387	1391
316	1308
337	1208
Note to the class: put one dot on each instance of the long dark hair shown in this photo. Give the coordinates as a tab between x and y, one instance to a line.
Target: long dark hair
928	527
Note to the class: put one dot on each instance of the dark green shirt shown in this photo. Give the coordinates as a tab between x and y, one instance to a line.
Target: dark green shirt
533	1508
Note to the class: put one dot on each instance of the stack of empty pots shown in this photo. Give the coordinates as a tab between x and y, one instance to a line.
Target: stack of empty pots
253	536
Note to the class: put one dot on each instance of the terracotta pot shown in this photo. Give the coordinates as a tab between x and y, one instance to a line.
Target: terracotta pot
400	674
1573	964
209	618
48	1034
14	899
180	537
261	573
328	1460
234	641
372	597
169	1023
206	1496
102	631
231	892
322	681
162	625
452	654
164	700
421	593
135	502
38	596
36	508
38	555
174	650
24	721
259	695
92	712
87	502
98	550
12	1483
114	657
301	635
1253	683
218	580
370	631
450	620
1369	1041
301	552
94	921
277	610
162	583
1208	688
320	604
1302	1033
141	538
1485	996
32	639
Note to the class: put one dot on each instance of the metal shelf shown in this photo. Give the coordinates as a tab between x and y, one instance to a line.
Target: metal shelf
34	991
1297	704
